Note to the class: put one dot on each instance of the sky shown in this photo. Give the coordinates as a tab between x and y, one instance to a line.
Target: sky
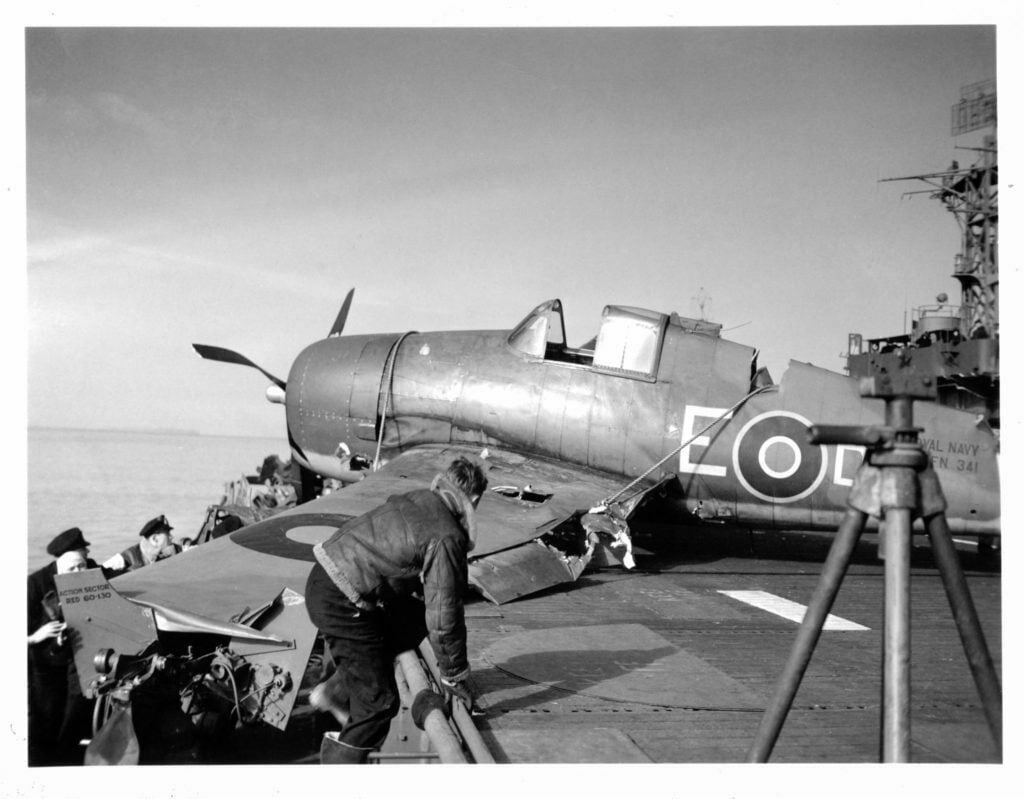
228	186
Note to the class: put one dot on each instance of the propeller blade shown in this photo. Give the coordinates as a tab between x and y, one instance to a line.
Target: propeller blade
339	323
223	355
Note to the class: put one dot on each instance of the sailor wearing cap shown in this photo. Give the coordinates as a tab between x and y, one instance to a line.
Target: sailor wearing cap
155	543
58	714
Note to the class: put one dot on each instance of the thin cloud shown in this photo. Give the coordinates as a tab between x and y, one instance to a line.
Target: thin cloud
92	113
119	110
84	250
57	249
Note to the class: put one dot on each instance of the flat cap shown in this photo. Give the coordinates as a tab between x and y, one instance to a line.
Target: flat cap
67	541
154	526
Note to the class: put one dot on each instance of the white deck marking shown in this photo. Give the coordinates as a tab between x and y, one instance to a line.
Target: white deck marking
793	611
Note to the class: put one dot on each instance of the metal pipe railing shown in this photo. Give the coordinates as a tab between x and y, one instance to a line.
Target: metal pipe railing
434	724
460	713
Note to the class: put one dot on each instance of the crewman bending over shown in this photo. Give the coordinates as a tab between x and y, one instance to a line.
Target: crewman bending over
155	543
362	596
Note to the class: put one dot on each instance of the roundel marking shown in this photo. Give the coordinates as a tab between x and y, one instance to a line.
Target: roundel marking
770	461
762	457
290	536
311	534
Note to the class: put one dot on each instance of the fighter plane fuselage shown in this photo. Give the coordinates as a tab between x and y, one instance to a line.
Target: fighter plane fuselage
647	384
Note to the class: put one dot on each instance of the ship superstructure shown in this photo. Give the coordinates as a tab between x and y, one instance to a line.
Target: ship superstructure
957	344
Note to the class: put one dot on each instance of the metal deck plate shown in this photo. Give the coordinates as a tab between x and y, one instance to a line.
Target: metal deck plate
662	596
593	745
619	662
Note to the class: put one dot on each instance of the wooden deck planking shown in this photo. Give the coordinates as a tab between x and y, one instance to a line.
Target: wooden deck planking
836	712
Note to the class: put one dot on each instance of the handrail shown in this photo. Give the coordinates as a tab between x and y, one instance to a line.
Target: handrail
434	724
460	713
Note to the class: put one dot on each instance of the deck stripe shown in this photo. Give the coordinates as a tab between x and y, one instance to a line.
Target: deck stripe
788	609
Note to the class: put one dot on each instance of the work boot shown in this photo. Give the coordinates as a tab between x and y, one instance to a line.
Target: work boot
323	699
334	752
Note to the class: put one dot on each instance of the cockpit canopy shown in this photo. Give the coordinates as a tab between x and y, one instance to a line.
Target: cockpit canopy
628	342
542	326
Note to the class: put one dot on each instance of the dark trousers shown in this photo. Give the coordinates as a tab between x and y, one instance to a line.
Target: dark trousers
58	715
364	644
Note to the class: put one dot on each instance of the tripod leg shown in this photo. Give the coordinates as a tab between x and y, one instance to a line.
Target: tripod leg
896	638
807	636
967	624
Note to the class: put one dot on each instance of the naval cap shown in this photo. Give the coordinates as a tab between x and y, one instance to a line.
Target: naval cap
67	541
154	526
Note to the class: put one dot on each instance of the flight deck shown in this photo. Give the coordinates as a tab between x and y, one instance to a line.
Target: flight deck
689	662
675	661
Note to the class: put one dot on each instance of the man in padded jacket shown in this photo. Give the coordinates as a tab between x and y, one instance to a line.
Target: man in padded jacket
363	595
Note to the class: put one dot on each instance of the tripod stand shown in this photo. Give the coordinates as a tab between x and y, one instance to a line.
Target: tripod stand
895	482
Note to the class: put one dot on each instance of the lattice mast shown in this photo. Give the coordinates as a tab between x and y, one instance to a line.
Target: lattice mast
971	194
964	338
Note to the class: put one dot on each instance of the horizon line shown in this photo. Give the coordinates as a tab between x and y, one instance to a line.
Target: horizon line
172	431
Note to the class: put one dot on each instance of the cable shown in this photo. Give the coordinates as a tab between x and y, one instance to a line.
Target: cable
392	357
610	499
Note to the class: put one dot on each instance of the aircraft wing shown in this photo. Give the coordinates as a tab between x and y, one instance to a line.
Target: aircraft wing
226	579
525	496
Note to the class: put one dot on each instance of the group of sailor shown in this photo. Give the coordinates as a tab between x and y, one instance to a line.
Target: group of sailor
59	716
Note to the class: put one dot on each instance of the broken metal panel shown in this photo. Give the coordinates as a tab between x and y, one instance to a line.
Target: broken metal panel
526	569
564	550
277	672
172	620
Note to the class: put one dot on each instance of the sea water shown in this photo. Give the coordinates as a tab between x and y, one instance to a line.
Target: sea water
110	483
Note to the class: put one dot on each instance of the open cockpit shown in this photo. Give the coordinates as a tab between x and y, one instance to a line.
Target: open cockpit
628	343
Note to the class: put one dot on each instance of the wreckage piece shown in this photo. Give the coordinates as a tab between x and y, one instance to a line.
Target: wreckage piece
149	663
527	540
